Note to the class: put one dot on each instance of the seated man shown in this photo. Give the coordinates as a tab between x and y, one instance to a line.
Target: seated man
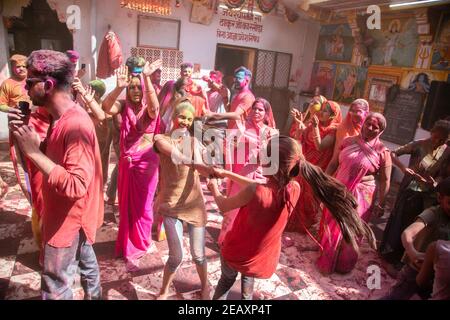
437	260
431	225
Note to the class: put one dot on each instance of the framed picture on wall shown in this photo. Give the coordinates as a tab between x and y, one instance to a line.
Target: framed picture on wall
377	87
158	32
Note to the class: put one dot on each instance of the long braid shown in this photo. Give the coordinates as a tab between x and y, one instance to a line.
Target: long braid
341	204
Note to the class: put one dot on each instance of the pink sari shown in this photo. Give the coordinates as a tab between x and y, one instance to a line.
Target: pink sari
138	178
251	143
357	159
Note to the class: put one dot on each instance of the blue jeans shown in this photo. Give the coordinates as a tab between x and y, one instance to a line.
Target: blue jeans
174	233
60	265
227	279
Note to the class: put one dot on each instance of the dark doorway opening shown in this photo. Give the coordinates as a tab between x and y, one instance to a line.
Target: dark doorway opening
229	58
38	28
271	71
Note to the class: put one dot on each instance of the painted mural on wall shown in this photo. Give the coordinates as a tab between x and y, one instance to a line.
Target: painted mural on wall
335	43
350	82
420	81
322	76
395	44
441	51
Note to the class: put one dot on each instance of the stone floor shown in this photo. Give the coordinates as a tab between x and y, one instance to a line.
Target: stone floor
295	278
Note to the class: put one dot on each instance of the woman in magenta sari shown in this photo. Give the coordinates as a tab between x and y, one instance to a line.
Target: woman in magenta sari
317	141
138	163
259	128
364	168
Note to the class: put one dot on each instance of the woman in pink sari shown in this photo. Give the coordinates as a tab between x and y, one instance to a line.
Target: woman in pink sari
259	128
364	168
317	141
350	127
138	163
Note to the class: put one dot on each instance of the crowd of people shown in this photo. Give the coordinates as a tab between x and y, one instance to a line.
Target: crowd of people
326	179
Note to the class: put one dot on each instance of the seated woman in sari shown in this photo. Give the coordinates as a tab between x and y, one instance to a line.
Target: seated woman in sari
416	189
180	198
259	128
253	245
138	163
349	127
364	167
317	141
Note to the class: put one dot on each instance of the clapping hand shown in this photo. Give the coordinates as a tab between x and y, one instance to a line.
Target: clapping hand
89	94
298	118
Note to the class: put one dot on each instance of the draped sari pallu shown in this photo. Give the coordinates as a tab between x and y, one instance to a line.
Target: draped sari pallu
138	179
246	163
306	212
356	159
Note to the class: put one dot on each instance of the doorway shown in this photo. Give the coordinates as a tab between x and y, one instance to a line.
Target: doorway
271	72
229	58
38	28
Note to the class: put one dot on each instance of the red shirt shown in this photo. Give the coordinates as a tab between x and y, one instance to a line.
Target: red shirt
73	192
243	100
253	244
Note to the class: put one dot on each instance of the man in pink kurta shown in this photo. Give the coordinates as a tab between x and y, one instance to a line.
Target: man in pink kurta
72	189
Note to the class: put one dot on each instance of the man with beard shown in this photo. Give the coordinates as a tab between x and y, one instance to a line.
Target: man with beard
72	190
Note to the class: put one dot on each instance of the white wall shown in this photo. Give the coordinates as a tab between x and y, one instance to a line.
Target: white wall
198	42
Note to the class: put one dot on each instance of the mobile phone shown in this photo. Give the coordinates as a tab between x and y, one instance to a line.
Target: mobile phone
24	107
83	66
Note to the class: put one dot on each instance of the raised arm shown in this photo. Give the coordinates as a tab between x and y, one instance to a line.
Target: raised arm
152	97
88	97
111	105
319	143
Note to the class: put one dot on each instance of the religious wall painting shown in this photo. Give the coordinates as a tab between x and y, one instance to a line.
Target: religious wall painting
322	76
395	44
420	81
349	84
441	50
335	43
376	89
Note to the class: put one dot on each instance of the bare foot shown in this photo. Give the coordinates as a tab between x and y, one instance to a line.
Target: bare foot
162	296
206	293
